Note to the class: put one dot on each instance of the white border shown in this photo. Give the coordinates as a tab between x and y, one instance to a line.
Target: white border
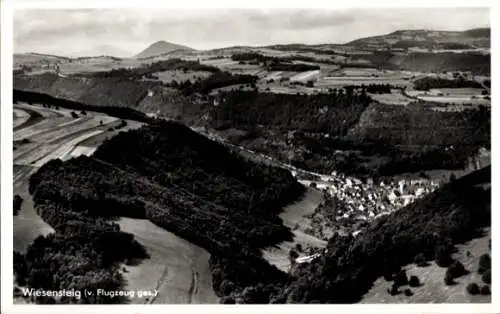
7	7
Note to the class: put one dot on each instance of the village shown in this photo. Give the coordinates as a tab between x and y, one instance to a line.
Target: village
359	202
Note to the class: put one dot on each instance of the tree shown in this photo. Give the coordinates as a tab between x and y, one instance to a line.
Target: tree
473	288
448	279
293	256
486	277
484	263
227	300
485	290
18	201
298	247
226	287
457	269
254	295
420	260
394	290
443	256
388	276
20	268
401	278
414	281
408	292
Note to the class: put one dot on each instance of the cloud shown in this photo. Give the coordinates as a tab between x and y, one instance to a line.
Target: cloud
132	29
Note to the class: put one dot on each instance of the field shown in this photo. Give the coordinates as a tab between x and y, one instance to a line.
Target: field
366	76
293	217
45	140
27	224
433	289
42	63
19	117
181	76
306	76
394	98
221	63
176	268
452	95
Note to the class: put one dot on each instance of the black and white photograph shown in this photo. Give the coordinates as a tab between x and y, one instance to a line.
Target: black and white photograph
251	156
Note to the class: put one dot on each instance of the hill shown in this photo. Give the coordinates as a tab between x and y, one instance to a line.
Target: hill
307	131
454	214
159	48
175	178
469	39
97	91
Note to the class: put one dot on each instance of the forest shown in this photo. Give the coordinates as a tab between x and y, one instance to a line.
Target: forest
276	63
453	214
439	62
158	66
216	80
427	83
177	179
373	88
332	113
307	130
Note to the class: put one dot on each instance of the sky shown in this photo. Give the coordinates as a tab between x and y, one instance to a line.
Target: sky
76	32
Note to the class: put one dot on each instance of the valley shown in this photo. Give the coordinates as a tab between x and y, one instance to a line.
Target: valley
263	174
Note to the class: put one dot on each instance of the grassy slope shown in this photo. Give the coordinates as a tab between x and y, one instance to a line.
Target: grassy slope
453	213
172	265
293	216
433	289
27	224
92	91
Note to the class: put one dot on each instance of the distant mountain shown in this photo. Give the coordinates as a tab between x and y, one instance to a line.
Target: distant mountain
469	39
103	50
159	48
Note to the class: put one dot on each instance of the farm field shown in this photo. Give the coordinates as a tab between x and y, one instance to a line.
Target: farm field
42	63
96	140
306	76
394	98
47	141
433	289
20	117
176	268
339	81
220	63
181	76
452	95
293	217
